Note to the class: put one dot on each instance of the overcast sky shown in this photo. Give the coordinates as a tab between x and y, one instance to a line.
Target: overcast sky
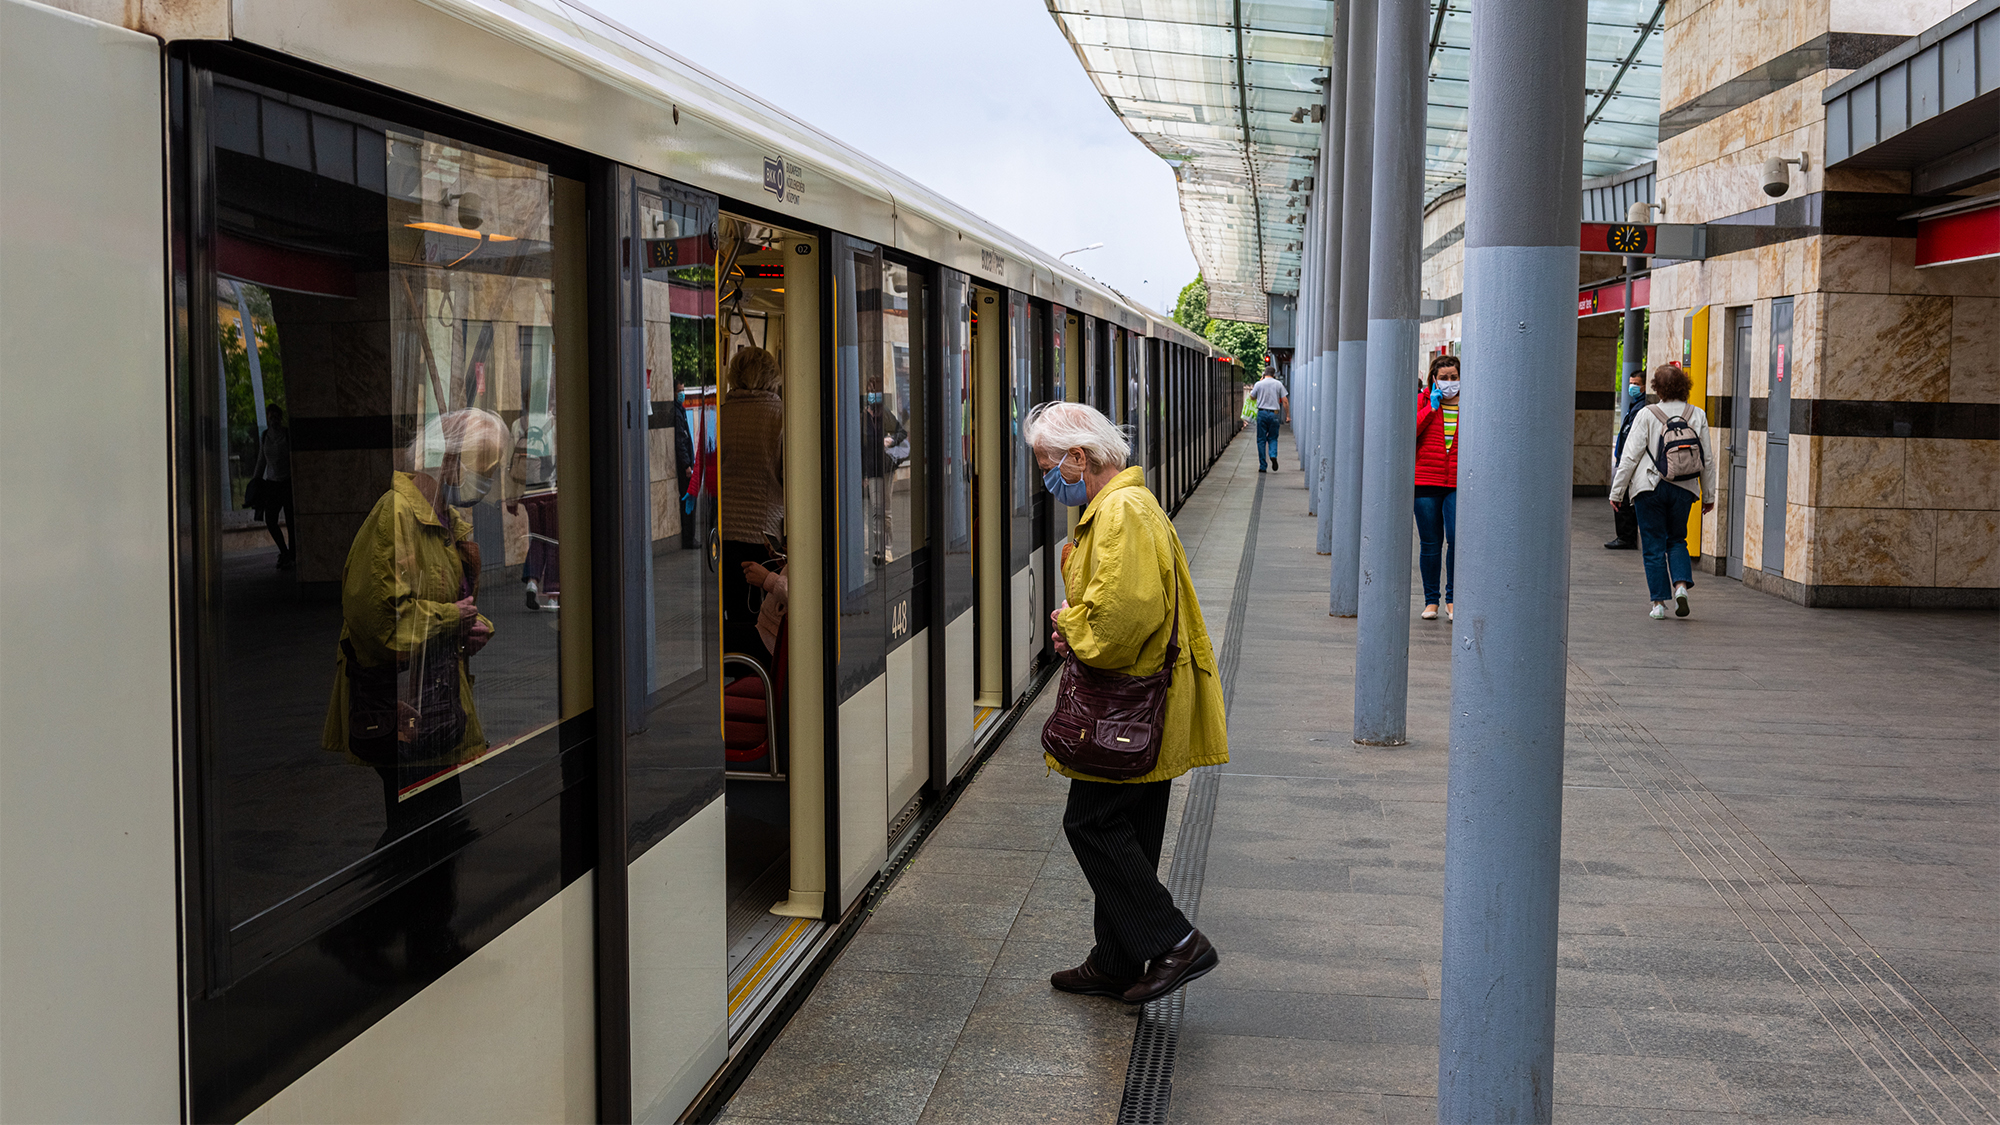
984	103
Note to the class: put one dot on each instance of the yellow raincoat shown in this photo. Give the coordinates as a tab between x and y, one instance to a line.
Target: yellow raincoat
397	591
1116	582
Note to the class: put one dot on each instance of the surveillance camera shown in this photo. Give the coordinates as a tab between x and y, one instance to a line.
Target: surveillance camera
1777	177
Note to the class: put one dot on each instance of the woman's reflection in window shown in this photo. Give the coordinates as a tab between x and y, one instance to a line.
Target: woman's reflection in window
402	694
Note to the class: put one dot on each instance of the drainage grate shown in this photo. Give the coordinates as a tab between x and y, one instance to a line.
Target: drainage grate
1149	1075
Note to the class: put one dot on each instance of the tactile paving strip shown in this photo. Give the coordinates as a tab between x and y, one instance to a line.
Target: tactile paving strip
1929	1067
1149	1075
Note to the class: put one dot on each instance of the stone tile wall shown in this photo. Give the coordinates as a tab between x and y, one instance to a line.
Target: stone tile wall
1870	519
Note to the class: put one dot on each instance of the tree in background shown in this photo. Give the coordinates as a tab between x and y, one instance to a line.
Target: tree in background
1239	339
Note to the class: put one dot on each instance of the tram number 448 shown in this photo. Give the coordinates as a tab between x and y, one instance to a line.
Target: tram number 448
899	619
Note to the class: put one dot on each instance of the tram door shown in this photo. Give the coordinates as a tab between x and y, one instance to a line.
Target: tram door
991	384
1024	554
883	421
1739	435
671	672
954	596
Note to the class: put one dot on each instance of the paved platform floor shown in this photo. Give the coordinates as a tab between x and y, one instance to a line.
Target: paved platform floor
1780	885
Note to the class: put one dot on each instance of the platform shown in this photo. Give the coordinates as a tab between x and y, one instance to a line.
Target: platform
1780	885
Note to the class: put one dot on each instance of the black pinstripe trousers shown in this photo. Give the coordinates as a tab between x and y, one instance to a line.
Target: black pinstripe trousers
1115	831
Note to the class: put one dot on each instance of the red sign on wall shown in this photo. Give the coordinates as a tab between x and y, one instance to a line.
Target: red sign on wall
1617	238
1968	236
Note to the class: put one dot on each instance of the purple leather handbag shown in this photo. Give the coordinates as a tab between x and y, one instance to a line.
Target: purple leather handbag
1107	724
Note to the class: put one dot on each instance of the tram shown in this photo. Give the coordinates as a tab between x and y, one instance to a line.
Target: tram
507	535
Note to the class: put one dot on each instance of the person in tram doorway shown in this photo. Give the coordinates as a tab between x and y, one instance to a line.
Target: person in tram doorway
1437	481
273	474
1122	580
1666	467
1625	525
1273	403
753	486
402	700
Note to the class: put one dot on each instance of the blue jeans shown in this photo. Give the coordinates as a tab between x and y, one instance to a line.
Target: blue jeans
1267	436
1437	532
1663	538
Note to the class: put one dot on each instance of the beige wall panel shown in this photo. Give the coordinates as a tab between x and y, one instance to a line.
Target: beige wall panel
1856	472
507	1035
1798	471
1889	17
1874	547
1753	471
1850	264
680	970
1968	549
1952	473
89	969
1893	348
1975	349
1753	531
1967	279
1801	558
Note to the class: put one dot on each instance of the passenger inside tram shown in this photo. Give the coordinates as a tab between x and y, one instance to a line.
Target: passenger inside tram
753	484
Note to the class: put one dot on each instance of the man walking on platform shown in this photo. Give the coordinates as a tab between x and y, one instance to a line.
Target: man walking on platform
1269	395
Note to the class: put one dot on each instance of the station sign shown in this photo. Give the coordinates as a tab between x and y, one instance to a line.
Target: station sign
1617	238
1968	235
1610	298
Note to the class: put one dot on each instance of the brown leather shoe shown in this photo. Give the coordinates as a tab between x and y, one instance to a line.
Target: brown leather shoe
1192	958
1089	980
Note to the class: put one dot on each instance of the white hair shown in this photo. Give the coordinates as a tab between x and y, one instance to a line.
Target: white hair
1057	427
459	432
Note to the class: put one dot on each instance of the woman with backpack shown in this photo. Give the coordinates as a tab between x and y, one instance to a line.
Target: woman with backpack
1666	468
1437	480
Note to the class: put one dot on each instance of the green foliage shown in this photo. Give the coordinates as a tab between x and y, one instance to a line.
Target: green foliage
1191	307
694	352
243	420
1241	340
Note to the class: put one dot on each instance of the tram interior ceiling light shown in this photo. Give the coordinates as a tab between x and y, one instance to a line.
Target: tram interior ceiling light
1777	178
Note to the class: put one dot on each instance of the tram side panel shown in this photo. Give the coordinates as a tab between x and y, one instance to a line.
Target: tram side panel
88	963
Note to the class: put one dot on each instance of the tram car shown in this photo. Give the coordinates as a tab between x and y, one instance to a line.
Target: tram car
507	534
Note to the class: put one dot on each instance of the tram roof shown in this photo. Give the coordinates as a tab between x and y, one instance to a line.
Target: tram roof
581	79
1212	86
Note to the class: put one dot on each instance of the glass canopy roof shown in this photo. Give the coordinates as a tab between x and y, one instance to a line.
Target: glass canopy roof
1216	88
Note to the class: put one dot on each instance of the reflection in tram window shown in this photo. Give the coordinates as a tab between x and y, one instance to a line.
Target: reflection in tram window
672	493
386	410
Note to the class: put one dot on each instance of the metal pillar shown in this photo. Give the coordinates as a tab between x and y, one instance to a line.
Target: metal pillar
1503	815
1635	334
1305	397
1382	651
1351	362
1325	339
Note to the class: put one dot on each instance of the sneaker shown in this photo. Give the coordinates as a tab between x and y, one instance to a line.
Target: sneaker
1681	600
1430	613
1658	612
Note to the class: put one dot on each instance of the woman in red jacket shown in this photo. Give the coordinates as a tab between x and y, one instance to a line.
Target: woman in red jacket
1437	480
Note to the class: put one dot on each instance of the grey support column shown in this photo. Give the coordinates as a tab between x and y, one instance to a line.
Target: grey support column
1325	339
1351	363
1382	652
1503	815
1306	390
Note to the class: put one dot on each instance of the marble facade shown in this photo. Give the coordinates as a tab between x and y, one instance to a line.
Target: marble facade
1876	500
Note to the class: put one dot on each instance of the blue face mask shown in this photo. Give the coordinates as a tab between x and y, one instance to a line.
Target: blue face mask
1635	392
1071	492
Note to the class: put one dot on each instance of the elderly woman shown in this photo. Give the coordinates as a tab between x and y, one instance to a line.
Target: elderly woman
1122	579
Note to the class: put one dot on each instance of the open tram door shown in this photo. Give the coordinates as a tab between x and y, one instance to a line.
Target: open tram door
710	441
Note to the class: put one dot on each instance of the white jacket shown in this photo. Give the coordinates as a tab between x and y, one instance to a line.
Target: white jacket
1636	471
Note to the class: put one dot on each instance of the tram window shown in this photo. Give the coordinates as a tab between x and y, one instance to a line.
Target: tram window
381	580
903	408
674	495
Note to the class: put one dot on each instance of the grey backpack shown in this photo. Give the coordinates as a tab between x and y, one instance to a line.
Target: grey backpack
1679	454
